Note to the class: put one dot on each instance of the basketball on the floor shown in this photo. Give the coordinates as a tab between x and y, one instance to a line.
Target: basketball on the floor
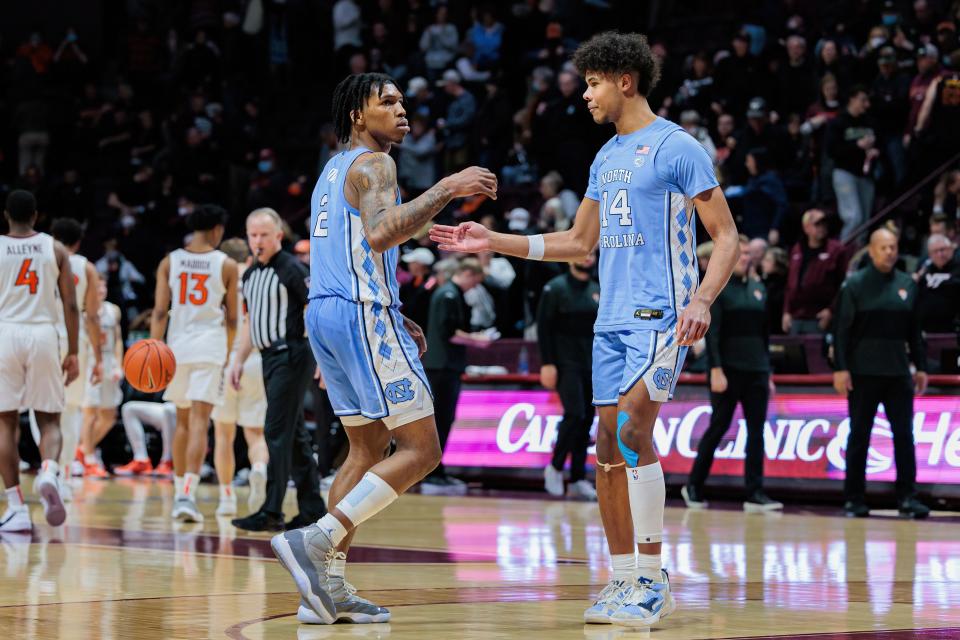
149	365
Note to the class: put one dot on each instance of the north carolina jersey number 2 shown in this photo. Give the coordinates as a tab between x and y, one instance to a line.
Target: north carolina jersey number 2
321	230
618	207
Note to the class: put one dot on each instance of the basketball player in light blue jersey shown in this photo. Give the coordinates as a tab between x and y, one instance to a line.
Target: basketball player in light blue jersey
644	187
369	354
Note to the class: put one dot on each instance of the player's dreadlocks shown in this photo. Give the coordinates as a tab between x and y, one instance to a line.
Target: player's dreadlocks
351	95
613	53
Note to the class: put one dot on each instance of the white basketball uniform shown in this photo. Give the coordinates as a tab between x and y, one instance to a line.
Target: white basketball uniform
107	394
31	375
248	406
75	391
196	333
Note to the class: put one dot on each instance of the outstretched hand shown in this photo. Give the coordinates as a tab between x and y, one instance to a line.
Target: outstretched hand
467	237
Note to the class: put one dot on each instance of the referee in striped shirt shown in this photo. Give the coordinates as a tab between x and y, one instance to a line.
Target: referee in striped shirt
274	293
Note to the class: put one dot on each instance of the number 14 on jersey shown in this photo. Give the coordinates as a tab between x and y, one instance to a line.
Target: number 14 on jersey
618	206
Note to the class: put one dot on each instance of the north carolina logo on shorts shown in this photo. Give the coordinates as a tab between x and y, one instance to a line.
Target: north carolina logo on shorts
662	377
399	391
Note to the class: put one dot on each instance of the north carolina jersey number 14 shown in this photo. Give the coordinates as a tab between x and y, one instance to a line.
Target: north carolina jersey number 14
618	207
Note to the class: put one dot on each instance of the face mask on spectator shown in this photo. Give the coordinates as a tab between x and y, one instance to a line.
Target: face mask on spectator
265	166
876	42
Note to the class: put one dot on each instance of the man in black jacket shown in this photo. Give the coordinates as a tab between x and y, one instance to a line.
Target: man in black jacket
851	142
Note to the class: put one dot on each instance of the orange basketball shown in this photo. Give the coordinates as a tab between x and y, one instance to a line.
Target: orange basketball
149	365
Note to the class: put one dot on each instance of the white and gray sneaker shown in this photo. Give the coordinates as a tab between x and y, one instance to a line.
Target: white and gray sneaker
258	490
227	505
306	554
607	602
185	510
553	481
47	486
646	603
350	606
16	519
582	490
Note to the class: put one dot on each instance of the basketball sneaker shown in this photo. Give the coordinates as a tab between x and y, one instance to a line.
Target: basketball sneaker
693	497
258	490
553	480
350	606
646	604
164	469
582	490
607	602
16	519
185	510
227	505
135	468
306	554
95	471
759	502
47	486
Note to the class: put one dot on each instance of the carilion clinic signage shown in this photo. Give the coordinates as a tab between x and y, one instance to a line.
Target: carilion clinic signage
805	435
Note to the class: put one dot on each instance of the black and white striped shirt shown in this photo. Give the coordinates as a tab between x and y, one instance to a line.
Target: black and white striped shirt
274	295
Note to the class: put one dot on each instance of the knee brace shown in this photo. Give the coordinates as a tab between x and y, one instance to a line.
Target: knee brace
629	455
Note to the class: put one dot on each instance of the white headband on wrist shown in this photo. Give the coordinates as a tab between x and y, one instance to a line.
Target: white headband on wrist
535	249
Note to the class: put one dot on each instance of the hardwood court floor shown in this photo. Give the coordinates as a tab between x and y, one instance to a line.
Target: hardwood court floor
474	567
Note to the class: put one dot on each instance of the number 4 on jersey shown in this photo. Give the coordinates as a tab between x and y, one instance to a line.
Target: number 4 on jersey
27	277
618	207
321	230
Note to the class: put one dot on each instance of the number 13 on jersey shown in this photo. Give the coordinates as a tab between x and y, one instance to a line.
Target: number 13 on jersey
618	206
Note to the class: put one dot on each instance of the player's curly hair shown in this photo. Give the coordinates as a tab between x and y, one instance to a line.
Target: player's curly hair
612	53
206	216
351	95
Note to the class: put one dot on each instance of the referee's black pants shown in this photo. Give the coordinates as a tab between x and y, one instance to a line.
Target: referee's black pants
752	390
287	370
445	385
896	394
575	388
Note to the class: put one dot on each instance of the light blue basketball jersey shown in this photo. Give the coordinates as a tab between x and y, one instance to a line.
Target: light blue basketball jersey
645	182
342	263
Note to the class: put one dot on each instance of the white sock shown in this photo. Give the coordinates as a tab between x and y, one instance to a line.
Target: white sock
259	467
190	482
623	566
14	496
50	466
69	433
167	430
647	496
177	485
333	527
371	496
648	566
226	491
134	430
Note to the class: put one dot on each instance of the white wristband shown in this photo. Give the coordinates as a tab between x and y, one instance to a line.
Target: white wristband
535	249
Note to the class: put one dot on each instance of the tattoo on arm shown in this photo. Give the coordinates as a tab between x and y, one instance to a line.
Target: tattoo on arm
386	223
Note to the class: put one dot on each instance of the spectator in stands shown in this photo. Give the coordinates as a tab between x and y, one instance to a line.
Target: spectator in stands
831	61
795	78
851	143
939	287
890	108
818	266
773	270
417	166
439	43
415	295
759	133
347	23
697	91
724	141
818	116
928	68
487	38
458	125
736	77
763	201
37	52
690	121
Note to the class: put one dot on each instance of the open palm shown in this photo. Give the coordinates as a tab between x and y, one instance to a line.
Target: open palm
468	237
